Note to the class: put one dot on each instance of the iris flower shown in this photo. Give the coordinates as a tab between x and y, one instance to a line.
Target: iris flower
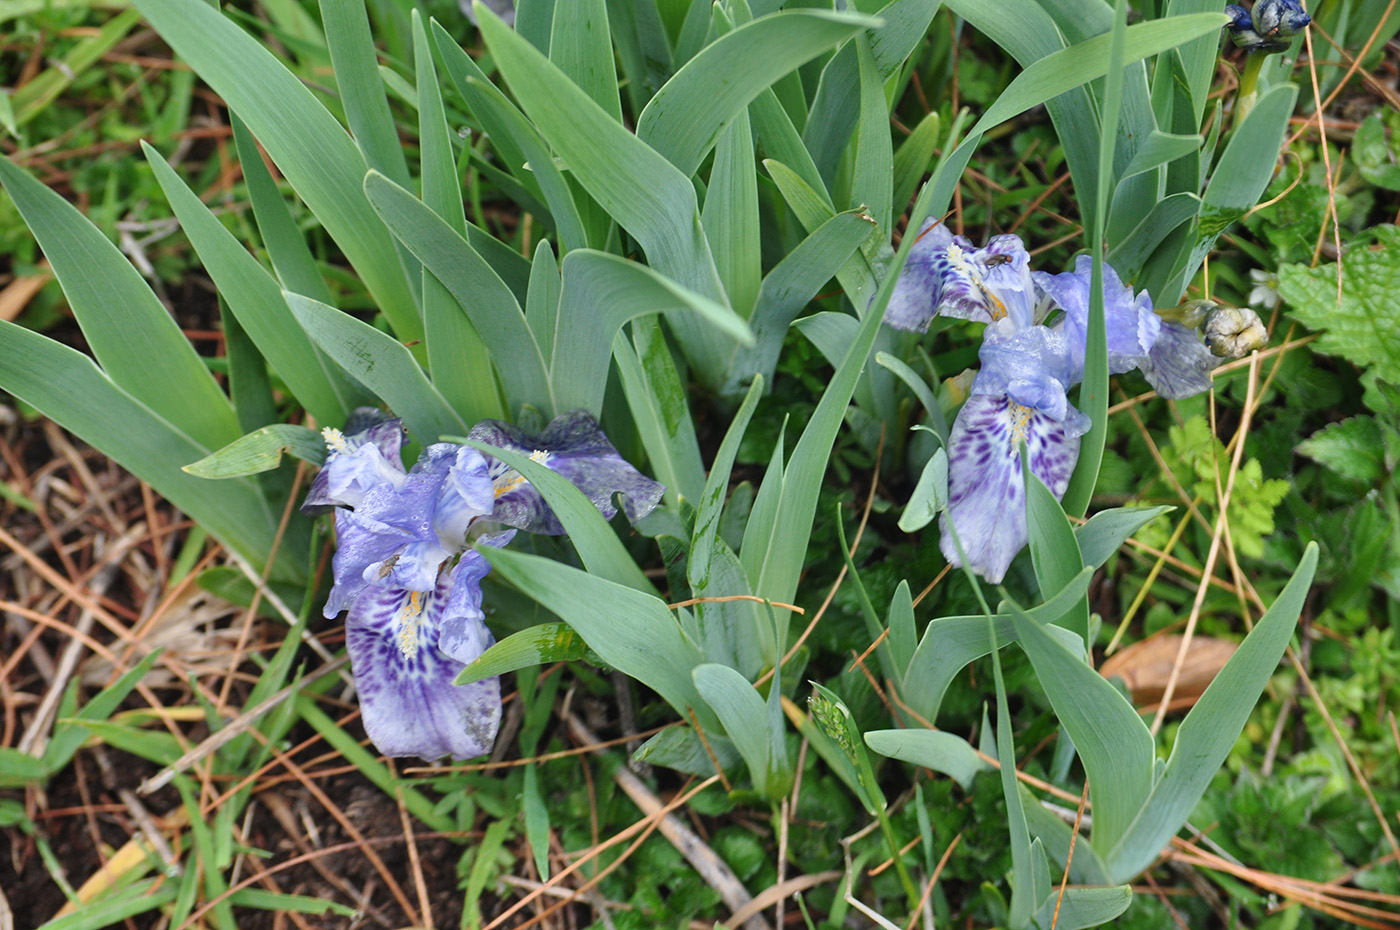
409	580
1020	395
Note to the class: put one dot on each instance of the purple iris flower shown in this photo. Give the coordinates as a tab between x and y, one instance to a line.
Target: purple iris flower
401	534
1021	393
573	446
411	584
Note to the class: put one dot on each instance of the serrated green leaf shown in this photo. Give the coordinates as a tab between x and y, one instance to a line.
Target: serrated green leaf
1352	448
261	451
1364	328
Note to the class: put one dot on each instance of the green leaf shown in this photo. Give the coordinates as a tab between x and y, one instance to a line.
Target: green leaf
872	181
478	289
631	631
124	323
1363	328
790	286
711	502
659	407
356	74
261	451
1106	530
312	150
750	723
1083	907
595	540
1353	448
1113	742
1158	149
913	158
110	910
458	361
932	749
730	216
930	495
950	643
638	187
286	246
600	292
900	621
580	44
18	769
538	645
1054	549
1209	731
68	388
262	900
255	298
382	364
1239	179
687	115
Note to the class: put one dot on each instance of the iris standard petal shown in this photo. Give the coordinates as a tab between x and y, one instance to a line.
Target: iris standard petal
398	537
363	455
574	447
1179	364
408	702
1033	366
986	489
1129	322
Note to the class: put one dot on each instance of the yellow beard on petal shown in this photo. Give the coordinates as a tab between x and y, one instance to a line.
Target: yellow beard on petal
1020	422
513	479
409	617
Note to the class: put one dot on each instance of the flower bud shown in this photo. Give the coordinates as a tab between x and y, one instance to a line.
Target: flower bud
1234	332
1275	19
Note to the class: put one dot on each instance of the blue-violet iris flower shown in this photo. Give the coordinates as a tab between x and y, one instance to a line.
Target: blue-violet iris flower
1020	395
408	579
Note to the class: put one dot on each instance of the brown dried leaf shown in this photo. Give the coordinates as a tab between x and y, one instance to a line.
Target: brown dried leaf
1146	666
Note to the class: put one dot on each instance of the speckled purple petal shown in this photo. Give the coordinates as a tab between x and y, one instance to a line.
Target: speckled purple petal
574	447
363	455
986	490
408	702
1179	364
1129	322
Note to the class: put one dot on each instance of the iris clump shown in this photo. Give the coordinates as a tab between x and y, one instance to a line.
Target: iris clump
1032	353
408	575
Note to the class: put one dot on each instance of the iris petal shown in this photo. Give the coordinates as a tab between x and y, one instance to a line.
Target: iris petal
363	455
574	447
986	489
1179	364
408	702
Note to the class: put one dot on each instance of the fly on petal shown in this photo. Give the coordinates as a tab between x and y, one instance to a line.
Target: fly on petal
946	275
573	446
408	701
986	487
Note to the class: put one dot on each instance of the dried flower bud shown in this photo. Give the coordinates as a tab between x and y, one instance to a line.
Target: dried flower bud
1234	332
